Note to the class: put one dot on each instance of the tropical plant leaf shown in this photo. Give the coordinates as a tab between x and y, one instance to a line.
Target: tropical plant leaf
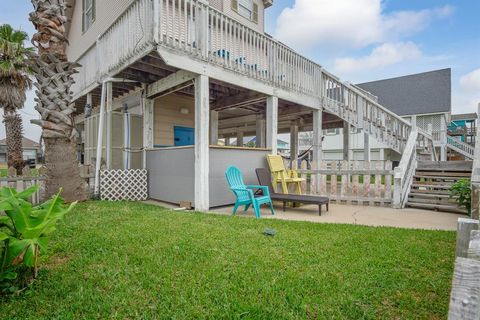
4	236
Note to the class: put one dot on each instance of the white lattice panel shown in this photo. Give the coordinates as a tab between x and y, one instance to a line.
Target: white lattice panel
117	185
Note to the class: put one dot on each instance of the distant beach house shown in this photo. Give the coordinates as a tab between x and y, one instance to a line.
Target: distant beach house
31	150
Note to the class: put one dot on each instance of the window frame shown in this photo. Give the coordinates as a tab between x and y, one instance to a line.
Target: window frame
87	23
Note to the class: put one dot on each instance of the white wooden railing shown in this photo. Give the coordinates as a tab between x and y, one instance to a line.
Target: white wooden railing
461	147
193	28
352	182
404	172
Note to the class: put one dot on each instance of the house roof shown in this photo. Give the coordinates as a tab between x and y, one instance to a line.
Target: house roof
427	92
26	143
464	116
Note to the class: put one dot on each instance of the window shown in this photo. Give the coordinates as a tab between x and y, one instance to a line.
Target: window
246	8
88	14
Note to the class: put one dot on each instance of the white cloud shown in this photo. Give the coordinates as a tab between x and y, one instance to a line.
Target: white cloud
471	81
381	56
349	23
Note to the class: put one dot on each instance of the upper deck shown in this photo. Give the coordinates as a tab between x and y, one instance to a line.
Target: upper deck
194	36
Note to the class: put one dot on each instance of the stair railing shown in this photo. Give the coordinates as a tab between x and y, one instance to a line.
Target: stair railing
461	147
475	178
403	174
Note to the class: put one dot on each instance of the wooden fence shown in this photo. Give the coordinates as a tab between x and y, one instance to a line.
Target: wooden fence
29	178
350	182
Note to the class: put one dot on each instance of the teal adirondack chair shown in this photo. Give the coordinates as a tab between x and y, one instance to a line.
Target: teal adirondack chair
244	193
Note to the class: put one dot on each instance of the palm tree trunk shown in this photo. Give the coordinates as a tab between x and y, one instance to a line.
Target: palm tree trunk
13	132
54	78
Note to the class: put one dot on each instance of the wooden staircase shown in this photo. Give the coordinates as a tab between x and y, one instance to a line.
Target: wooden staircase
432	182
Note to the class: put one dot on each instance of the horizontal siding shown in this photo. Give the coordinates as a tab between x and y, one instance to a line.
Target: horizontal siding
259	26
107	11
167	115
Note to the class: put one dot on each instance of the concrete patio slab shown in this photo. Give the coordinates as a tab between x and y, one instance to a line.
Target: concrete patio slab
350	214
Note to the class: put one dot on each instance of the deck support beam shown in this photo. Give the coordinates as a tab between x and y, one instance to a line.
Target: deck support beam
366	147
317	144
148	116
346	141
294	145
109	139
272	123
165	85
260	132
239	138
213	127
202	158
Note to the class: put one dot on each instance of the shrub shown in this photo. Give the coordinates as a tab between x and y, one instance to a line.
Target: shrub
24	235
462	192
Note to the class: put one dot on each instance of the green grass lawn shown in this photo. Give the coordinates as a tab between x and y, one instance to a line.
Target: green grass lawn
129	261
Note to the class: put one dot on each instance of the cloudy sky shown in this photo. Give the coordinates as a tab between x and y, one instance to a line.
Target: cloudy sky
359	40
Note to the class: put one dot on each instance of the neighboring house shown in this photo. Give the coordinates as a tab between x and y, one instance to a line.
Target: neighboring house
166	80
464	127
423	99
31	150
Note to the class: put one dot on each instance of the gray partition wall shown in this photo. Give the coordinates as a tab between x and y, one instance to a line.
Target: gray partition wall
171	172
222	157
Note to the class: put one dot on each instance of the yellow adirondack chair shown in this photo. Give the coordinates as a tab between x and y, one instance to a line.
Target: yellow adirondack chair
282	175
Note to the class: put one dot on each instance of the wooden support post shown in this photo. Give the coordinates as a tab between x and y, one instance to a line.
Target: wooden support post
148	114
294	145
346	140
260	132
413	121
108	143
317	145
465	297
239	138
366	147
213	127
464	228
227	141
443	138
272	123
202	161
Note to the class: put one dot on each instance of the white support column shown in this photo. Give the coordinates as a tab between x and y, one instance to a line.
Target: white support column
366	147
202	158
239	138
260	132
213	127
108	143
317	136
293	145
272	123
101	124
413	121
317	143
148	121
346	141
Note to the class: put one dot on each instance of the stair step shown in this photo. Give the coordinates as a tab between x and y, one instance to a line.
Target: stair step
415	194
431	185
444	174
430	191
437	207
444	201
420	176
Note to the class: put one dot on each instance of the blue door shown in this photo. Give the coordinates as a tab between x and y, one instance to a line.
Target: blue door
183	136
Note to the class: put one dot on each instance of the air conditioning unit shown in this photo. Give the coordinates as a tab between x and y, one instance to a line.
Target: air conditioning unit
267	3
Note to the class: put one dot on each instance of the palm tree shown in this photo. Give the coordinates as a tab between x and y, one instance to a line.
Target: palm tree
54	73
14	83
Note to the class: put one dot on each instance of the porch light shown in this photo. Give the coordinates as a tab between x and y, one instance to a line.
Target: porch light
184	111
